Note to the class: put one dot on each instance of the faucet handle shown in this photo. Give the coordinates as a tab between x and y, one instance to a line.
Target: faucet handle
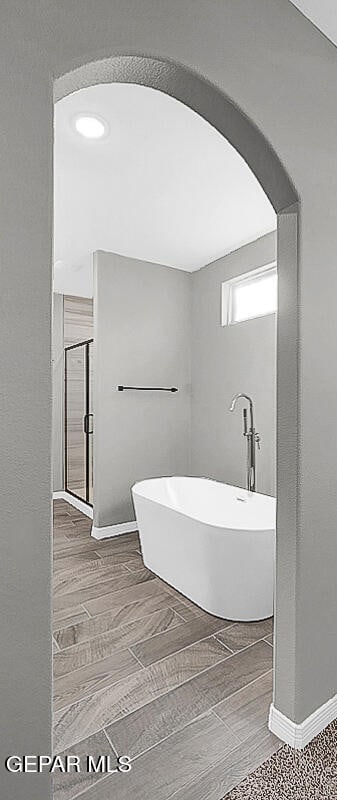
258	441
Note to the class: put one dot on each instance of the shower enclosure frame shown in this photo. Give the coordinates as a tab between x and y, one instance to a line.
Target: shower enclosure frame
86	419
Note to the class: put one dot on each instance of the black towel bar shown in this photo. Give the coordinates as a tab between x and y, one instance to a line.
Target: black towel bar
147	388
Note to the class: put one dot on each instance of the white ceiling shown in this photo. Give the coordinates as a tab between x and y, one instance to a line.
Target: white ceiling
164	186
322	13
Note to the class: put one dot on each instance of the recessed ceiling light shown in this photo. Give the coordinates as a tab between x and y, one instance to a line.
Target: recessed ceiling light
90	127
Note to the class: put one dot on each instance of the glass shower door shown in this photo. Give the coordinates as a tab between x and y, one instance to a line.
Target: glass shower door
78	421
90	437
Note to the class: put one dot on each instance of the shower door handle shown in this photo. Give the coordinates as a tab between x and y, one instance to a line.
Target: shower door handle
86	423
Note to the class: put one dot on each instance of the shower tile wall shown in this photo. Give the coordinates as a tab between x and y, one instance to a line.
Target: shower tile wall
77	327
78	319
58	424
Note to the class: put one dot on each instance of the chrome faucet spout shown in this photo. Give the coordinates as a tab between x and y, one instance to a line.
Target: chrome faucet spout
237	397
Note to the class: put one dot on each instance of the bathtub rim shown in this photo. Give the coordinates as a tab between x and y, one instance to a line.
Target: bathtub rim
216	526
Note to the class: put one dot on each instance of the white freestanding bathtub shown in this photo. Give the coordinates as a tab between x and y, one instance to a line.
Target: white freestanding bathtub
212	542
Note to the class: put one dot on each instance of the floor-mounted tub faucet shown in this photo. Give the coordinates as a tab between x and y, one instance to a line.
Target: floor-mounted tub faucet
253	438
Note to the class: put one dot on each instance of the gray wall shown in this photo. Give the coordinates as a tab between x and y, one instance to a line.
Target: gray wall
288	69
26	407
142	338
226	360
57	356
136	318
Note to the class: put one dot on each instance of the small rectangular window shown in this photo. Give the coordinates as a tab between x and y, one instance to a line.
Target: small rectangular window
251	295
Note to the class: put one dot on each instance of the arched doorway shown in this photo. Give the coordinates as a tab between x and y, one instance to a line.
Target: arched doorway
222	113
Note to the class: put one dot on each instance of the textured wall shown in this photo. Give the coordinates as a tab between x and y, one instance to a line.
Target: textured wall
230	359
142	325
26	408
285	83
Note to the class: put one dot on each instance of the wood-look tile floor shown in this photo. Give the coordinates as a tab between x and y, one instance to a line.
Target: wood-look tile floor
141	671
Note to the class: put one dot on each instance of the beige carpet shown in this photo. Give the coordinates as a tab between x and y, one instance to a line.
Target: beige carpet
309	774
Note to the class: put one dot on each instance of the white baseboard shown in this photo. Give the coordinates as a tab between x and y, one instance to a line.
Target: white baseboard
74	501
299	735
97	533
113	530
